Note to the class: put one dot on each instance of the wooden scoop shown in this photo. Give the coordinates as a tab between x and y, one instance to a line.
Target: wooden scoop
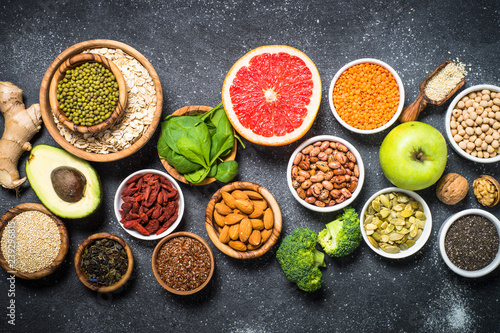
411	112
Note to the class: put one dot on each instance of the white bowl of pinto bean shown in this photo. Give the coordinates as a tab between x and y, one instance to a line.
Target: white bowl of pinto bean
325	173
149	204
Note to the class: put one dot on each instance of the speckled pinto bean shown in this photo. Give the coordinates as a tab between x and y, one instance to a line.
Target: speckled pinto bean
325	173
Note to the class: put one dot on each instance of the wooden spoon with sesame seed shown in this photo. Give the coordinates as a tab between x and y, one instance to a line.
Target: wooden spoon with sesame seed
411	112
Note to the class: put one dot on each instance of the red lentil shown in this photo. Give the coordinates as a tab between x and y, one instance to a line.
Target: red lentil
183	263
366	96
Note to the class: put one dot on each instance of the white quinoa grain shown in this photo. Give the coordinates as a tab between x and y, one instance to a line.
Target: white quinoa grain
34	239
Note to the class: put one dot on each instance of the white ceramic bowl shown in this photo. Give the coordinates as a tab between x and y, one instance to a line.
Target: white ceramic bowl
337	206
118	203
418	244
453	144
442	234
401	96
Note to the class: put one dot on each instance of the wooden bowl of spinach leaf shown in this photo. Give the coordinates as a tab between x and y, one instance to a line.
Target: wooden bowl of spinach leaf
197	145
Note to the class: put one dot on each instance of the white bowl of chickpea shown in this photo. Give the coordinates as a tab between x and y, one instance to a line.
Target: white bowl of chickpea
473	123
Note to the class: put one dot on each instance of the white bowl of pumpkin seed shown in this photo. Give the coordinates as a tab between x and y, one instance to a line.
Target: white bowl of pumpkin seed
395	223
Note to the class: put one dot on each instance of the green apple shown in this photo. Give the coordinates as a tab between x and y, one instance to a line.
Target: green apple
413	155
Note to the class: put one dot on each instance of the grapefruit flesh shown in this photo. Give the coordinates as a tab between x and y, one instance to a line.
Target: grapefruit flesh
272	95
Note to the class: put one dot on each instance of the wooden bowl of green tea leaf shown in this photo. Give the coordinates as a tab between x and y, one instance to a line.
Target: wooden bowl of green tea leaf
104	262
191	110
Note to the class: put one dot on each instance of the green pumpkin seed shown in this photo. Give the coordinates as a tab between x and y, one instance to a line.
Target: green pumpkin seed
385	201
373	242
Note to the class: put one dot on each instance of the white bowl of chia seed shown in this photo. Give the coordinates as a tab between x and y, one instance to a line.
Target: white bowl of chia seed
469	242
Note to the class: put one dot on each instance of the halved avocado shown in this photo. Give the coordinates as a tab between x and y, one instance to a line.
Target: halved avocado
67	185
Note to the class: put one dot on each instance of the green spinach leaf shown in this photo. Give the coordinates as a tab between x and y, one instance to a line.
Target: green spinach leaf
226	171
197	176
191	151
180	163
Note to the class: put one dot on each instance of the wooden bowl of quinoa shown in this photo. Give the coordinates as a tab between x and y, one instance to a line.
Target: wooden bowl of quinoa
34	242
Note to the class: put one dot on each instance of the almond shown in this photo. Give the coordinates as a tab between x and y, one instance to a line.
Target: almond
255	238
245	206
219	219
239	194
268	219
233	218
237	245
228	199
251	247
260	204
222	208
266	234
257	213
224	235
253	195
234	231
245	229
257	224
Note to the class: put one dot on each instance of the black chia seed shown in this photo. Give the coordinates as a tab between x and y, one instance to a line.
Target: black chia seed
471	242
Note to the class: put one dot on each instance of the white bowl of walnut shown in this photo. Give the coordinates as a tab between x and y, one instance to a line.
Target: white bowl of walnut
473	123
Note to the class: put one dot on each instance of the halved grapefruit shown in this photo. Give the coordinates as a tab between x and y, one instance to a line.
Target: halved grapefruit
272	95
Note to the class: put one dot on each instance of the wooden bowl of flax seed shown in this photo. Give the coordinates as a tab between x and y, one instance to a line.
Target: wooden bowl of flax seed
183	263
34	242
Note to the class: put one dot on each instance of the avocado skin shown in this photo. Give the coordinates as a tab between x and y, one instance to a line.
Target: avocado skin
42	160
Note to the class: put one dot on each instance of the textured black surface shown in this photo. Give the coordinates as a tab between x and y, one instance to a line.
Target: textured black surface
192	45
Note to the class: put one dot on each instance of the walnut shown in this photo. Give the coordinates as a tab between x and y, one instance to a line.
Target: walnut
486	190
452	188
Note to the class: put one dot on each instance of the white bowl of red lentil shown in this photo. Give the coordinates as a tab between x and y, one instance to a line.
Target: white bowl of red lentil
355	105
470	251
183	263
470	136
149	219
342	179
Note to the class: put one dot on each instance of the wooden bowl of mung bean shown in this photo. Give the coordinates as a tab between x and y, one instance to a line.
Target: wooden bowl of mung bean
34	242
88	93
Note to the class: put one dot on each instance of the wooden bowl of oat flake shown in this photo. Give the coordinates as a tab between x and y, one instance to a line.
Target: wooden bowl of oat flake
34	242
139	120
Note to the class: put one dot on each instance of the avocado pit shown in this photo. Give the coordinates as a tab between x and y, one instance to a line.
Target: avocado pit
68	183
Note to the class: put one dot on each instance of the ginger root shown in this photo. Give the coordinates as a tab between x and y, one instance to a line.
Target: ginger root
20	126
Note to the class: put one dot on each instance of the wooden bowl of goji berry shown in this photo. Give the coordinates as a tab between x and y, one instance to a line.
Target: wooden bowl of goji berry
366	96
149	204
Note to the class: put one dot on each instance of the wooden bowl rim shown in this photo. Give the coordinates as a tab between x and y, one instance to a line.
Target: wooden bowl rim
73	62
185	234
14	211
193	109
47	112
214	235
78	259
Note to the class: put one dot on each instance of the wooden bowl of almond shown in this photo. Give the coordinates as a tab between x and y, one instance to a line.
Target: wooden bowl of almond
243	220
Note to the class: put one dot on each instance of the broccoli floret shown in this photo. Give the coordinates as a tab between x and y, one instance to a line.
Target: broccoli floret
299	259
341	236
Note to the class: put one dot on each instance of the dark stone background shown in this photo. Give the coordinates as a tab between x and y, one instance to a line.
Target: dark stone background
192	45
